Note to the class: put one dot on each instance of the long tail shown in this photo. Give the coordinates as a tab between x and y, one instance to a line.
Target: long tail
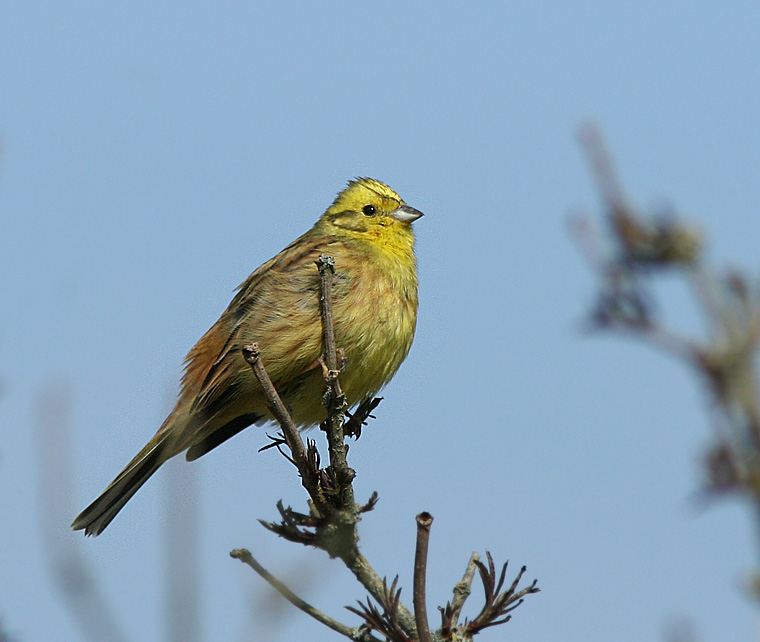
99	514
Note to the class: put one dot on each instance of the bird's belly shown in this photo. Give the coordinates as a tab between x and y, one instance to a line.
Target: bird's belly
374	338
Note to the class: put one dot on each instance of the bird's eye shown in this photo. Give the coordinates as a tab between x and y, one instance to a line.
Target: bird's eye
369	210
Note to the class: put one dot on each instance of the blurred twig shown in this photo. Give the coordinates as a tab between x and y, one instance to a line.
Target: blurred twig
73	577
181	552
627	256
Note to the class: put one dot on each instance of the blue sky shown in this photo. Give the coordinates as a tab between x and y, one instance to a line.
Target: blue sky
154	154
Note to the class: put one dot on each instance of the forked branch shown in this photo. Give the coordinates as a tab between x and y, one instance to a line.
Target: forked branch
331	522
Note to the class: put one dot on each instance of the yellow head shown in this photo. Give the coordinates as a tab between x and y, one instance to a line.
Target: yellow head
368	209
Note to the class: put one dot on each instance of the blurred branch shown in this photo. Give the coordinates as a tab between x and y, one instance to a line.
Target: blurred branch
72	574
73	577
627	257
4	637
331	521
680	630
181	552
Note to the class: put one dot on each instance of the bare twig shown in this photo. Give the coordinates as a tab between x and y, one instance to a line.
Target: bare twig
424	521
360	635
326	265
73	574
333	528
335	400
294	526
252	355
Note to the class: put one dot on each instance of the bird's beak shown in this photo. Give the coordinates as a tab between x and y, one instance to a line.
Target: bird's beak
406	214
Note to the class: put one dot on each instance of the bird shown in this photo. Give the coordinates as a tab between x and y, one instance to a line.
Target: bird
368	232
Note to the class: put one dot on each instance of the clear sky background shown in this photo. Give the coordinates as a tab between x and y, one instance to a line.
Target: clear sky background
154	154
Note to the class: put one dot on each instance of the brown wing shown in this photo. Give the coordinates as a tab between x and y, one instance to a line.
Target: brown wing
274	306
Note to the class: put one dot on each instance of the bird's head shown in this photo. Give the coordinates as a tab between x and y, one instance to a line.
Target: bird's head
370	210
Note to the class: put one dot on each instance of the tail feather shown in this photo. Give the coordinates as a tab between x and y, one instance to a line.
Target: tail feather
99	514
220	435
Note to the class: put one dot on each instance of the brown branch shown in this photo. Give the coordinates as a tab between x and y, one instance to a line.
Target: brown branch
333	529
357	634
326	265
332	523
424	521
309	479
335	400
252	355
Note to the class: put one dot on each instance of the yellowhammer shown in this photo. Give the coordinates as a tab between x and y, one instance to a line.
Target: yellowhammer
367	230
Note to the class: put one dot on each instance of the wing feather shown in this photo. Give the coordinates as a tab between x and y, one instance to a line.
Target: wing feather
274	300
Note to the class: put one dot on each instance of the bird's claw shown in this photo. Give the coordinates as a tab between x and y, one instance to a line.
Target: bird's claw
331	375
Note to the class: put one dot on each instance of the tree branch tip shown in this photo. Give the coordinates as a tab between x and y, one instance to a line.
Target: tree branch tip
251	352
270	526
424	520
587	131
325	262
